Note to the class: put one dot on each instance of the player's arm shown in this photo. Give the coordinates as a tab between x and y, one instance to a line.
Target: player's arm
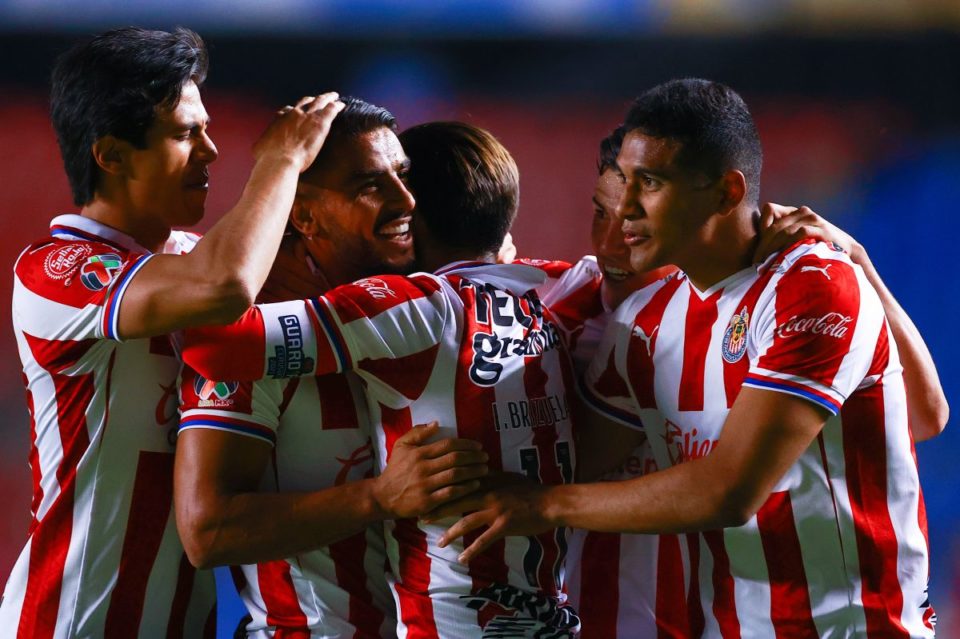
926	401
764	434
223	519
379	318
220	278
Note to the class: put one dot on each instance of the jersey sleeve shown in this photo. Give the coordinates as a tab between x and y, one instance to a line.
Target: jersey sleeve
251	409
816	331
383	318
72	290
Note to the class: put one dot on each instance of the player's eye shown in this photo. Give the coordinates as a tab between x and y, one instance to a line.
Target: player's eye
599	213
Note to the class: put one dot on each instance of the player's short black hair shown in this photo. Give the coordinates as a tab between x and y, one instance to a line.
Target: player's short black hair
466	183
114	84
356	118
710	120
610	149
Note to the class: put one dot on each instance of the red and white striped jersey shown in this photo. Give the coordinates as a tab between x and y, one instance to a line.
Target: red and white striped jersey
472	348
320	431
622	586
103	558
839	548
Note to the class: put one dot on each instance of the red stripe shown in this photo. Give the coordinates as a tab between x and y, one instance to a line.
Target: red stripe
51	536
545	440
413	583
473	405
176	627
865	454
150	506
600	585
790	609
408	375
348	555
234	352
733	373
280	598
701	316
413	587
724	602
34	458
671	600
639	354
336	403
694	605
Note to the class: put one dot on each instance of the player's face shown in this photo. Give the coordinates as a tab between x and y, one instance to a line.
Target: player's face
363	206
664	206
613	254
168	178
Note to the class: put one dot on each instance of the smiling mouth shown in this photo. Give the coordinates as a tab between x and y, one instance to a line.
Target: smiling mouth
397	230
616	274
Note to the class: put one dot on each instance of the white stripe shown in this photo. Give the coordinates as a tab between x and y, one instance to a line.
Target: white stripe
47	319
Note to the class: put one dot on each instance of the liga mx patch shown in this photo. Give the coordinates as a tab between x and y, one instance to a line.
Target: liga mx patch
213	393
98	271
734	343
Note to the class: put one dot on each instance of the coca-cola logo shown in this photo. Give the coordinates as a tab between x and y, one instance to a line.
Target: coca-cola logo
832	324
376	288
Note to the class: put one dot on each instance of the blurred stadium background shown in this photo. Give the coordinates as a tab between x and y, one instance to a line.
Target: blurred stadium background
858	105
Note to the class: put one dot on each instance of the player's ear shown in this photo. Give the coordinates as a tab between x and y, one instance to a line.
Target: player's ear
302	217
111	153
732	189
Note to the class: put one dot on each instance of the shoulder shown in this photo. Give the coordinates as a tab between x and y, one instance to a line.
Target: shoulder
553	268
69	271
374	295
812	272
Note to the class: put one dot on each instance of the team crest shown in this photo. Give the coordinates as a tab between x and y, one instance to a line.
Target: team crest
735	338
61	262
213	393
98	271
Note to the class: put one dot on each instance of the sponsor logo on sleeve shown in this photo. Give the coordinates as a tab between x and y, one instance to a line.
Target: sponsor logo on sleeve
831	324
376	288
289	359
60	263
734	343
99	270
214	394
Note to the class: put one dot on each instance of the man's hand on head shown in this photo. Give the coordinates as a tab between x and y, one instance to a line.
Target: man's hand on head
298	132
781	226
420	475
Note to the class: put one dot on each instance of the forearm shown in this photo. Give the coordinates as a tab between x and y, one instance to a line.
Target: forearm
927	404
251	527
684	498
237	253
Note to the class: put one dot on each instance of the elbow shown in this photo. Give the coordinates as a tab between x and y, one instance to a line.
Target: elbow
199	537
230	298
735	508
932	422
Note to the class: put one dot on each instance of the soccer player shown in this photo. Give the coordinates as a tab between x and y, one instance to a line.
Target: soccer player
621	584
276	474
771	396
92	307
470	346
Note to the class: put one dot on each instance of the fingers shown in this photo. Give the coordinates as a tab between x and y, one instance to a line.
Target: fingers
465	526
309	104
456	475
455	507
418	435
450	494
449	445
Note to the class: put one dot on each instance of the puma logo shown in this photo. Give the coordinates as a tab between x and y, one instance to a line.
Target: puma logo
821	269
639	332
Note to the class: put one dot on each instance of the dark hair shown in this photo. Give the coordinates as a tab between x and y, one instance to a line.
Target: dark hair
466	183
355	118
712	123
114	85
610	149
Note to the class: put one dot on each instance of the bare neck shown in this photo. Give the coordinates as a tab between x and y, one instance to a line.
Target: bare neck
728	246
144	229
